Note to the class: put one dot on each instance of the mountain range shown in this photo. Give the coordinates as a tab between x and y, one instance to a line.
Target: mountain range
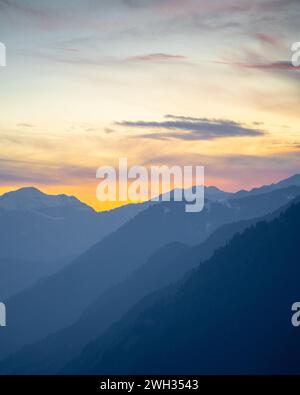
232	315
40	234
166	266
40	227
121	275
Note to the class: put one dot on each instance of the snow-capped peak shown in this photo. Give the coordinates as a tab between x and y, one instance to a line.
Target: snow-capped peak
32	199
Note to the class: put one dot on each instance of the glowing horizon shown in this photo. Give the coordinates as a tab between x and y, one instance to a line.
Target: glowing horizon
167	82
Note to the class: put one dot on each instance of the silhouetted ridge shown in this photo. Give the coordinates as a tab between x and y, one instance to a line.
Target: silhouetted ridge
232	316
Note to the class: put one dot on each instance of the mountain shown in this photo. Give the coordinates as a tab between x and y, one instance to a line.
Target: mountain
59	300
211	193
291	181
31	199
61	347
50	228
231	316
167	265
40	234
16	274
35	226
216	194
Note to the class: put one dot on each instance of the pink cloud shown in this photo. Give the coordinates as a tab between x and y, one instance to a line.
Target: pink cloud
157	57
271	66
268	39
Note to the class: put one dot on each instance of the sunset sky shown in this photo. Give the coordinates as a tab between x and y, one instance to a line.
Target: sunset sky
162	82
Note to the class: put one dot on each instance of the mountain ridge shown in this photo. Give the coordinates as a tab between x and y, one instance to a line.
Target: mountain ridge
103	265
231	316
169	264
29	198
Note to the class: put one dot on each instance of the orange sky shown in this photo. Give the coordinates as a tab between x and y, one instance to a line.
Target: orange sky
200	83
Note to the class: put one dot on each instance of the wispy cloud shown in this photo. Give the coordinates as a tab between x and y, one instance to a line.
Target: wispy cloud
190	128
283	65
109	130
279	65
17	171
277	4
25	125
36	12
230	172
157	57
268	39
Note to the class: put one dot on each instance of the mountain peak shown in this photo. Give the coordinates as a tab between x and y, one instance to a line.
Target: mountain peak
32	199
27	191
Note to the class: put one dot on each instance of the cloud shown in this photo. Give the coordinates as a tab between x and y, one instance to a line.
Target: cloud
68	49
268	55
268	39
76	57
18	171
143	3
277	4
189	6
223	6
277	66
26	9
190	128
231	172
25	125
157	57
109	130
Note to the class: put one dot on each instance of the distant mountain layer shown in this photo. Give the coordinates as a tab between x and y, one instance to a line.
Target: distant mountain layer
40	234
231	316
59	300
36	227
39	227
16	275
291	181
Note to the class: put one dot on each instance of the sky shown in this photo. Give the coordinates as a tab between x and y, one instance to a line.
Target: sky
161	82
